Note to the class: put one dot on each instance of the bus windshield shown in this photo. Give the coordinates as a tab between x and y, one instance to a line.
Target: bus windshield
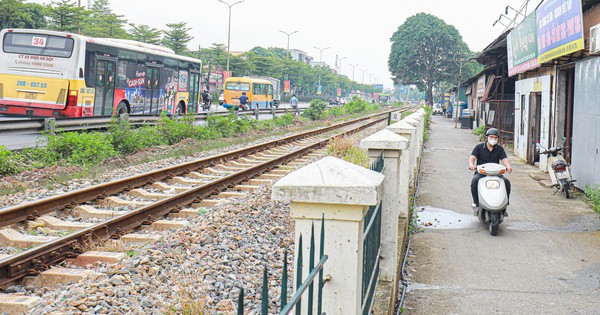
37	44
238	86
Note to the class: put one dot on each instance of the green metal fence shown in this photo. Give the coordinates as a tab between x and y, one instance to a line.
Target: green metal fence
371	248
301	287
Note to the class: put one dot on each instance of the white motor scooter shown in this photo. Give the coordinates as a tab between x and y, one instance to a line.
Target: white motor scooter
493	197
558	168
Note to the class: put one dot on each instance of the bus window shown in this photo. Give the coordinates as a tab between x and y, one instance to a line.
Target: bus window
238	86
38	44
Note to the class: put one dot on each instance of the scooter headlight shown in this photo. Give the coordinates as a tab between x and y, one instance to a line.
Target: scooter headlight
492	184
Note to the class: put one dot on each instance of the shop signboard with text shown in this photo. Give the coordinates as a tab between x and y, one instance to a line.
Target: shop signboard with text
559	29
286	86
522	46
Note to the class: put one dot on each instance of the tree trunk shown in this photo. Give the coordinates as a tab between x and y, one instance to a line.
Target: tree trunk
430	94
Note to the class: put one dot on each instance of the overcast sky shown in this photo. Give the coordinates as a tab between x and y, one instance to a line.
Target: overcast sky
359	30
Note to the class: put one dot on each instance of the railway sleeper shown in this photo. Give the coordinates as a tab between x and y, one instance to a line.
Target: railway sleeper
11	237
197	175
18	304
58	276
110	202
215	171
185	181
207	203
58	224
144	194
165	225
86	211
94	257
166	187
137	238
185	213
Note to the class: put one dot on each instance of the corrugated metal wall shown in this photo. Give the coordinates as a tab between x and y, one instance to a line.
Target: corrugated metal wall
586	124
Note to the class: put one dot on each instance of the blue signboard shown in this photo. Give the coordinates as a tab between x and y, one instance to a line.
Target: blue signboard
559	29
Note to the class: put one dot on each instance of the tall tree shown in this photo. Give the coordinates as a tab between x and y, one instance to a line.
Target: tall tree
424	52
11	12
104	23
146	34
177	37
65	15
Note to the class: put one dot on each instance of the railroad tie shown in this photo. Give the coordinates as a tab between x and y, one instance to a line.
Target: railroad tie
110	202
140	238
10	237
166	187
144	194
58	276
197	175
86	211
58	224
18	304
94	257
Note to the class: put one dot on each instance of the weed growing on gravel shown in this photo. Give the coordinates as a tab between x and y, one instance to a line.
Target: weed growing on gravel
346	148
480	132
593	193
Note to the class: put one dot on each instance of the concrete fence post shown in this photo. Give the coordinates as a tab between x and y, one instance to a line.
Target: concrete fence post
394	223
342	192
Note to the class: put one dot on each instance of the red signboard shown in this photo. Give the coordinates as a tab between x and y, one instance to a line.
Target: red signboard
286	86
339	91
226	75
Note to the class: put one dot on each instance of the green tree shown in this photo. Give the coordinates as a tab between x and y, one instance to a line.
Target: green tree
145	34
65	15
104	23
11	13
424	52
177	37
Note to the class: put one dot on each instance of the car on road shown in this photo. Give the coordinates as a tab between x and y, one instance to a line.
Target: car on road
334	101
437	109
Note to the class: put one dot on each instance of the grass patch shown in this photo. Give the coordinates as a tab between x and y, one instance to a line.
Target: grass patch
593	193
480	132
346	149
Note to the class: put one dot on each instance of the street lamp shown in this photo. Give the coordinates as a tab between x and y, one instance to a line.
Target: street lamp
363	78
288	41
321	52
229	28
340	65
353	66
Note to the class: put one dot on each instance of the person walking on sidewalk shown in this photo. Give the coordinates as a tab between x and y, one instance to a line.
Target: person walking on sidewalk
488	152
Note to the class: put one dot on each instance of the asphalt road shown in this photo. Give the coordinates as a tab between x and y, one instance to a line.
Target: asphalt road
545	259
20	140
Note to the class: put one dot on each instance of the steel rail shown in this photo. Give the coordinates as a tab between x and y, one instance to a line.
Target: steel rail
35	209
40	258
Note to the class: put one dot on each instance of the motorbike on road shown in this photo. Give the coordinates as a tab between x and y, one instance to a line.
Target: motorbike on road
493	197
558	168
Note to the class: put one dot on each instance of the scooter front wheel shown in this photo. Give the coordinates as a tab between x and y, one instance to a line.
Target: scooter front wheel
494	223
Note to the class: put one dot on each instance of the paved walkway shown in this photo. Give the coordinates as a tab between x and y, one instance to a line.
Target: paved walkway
545	259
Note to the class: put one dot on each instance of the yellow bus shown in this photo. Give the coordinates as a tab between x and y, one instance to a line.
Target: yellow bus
258	91
55	74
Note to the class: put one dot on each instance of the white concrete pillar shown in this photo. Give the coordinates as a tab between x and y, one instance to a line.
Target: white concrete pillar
391	145
407	131
414	145
342	192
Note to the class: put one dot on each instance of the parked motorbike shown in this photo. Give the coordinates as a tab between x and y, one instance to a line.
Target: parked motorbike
493	197
558	168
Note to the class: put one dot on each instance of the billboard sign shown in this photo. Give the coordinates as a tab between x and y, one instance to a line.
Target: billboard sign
522	46
559	29
339	92
286	86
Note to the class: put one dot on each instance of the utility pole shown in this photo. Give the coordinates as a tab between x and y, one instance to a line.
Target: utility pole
363	75
461	64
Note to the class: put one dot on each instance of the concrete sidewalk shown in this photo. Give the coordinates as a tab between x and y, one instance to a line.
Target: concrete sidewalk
545	259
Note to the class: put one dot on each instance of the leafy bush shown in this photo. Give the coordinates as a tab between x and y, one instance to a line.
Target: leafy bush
316	110
174	131
594	195
284	120
357	105
82	148
223	126
480	131
9	164
335	112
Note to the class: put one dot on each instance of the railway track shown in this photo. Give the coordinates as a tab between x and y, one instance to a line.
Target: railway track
122	206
